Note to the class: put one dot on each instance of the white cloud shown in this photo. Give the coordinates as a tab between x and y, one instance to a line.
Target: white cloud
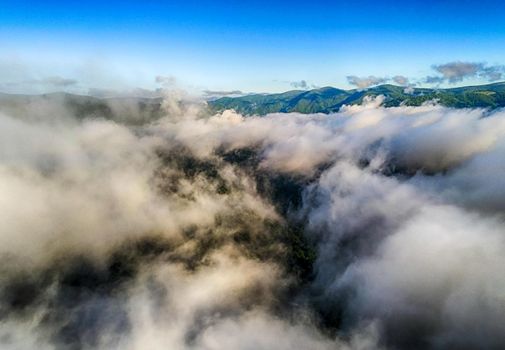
403	206
401	80
457	71
365	82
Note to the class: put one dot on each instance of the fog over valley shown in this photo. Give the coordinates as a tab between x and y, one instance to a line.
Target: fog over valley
180	227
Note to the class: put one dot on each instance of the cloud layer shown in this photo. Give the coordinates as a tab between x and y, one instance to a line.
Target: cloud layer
369	228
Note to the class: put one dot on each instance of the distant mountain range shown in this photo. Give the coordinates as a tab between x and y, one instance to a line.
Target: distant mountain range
127	110
329	99
139	110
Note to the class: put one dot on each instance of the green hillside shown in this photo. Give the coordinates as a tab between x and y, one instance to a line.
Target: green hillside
328	99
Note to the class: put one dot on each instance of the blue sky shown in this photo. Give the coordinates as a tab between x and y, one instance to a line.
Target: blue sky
250	46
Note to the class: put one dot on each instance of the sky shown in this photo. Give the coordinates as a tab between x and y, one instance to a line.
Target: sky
251	46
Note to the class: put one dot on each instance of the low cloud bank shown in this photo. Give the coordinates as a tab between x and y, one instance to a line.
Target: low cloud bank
369	228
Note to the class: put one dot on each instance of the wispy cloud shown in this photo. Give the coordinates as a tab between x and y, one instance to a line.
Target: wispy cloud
457	71
215	94
166	80
450	72
222	93
302	84
401	80
46	82
431	79
492	73
57	81
365	82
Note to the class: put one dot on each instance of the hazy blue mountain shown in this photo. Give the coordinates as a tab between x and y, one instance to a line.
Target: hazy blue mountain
128	110
329	99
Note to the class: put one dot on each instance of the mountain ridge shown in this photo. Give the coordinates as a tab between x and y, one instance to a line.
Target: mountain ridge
330	99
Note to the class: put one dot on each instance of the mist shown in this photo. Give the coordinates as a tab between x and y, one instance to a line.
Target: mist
370	228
